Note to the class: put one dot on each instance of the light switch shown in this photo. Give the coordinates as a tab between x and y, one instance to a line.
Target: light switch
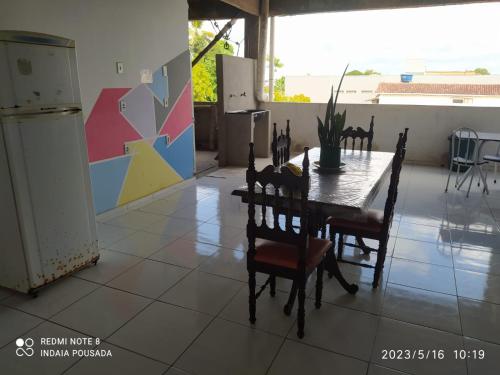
164	71
120	67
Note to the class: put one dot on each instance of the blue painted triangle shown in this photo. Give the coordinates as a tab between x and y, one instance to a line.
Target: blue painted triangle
179	154
107	178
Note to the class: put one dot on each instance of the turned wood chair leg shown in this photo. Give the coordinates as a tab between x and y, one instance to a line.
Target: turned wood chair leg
362	245
379	266
340	247
301	315
272	286
335	271
291	299
319	284
251	297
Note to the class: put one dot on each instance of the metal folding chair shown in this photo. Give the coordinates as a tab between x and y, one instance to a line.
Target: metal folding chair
465	154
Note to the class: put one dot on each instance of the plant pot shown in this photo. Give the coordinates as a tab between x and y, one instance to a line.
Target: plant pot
329	157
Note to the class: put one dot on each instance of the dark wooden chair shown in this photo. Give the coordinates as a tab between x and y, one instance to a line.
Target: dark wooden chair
351	133
280	145
285	252
372	224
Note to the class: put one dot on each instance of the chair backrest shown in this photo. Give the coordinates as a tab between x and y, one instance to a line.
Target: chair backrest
351	133
464	144
392	195
280	145
282	191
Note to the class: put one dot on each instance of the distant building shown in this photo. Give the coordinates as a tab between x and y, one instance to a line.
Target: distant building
482	95
363	89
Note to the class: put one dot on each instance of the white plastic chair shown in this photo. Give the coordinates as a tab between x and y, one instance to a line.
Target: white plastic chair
465	154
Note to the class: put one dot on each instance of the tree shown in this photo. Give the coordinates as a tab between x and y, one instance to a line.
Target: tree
279	93
204	75
482	71
367	72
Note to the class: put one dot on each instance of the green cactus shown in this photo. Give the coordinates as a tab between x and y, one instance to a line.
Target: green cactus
330	131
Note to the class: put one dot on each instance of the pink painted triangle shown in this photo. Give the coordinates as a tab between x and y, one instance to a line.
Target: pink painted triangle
181	115
106	129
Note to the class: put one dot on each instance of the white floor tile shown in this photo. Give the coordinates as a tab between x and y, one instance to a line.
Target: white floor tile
423	233
135	220
102	312
203	292
36	364
270	315
149	278
161	331
122	362
14	324
109	234
227	263
488	365
185	253
341	330
110	265
213	234
417	306
172	227
474	240
478	286
379	370
296	358
366	299
53	298
141	244
196	212
480	319
251	351
422	275
395	335
426	252
478	261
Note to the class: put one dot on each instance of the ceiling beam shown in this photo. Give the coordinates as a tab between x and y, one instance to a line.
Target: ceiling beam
249	6
291	7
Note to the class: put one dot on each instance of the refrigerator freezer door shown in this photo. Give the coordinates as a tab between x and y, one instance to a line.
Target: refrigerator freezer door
37	76
49	169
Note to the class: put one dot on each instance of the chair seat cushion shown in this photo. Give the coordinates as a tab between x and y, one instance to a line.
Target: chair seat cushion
369	221
495	158
287	256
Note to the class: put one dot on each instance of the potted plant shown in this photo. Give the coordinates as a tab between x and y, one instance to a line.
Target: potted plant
330	132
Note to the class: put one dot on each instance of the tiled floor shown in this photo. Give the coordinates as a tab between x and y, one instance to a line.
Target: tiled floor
169	295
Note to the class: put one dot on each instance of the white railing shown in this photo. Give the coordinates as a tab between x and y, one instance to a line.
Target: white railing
429	125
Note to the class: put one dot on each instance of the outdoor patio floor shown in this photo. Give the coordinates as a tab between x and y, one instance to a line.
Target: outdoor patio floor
169	294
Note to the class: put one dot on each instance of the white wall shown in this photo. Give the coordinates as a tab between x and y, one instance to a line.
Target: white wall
142	34
429	125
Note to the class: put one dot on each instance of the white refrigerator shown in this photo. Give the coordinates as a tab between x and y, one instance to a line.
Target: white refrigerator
47	218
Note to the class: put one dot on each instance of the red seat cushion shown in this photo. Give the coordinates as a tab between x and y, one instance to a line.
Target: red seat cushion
287	256
368	222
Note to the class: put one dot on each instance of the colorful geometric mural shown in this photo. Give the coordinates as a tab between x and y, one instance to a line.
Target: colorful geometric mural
141	140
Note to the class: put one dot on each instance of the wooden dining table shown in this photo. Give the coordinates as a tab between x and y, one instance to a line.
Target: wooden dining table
345	193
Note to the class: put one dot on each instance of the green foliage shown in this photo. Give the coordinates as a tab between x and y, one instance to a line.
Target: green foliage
279	93
330	131
482	71
367	72
203	75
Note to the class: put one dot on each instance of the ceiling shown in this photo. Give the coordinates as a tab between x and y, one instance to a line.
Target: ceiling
223	9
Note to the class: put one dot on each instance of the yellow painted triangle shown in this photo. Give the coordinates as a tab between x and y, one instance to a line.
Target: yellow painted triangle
147	173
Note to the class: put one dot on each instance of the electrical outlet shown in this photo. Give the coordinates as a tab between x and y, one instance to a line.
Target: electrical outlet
165	102
123	105
126	149
167	140
120	67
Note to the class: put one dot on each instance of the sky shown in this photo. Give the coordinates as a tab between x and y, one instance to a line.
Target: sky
460	37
